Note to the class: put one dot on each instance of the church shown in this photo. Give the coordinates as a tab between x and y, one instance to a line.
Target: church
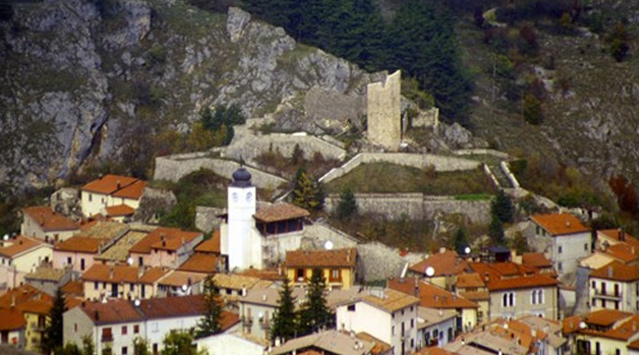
255	237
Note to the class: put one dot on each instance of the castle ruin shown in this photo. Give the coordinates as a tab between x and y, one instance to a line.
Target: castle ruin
384	112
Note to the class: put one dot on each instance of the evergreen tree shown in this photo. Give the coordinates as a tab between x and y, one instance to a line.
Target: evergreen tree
502	207
52	337
307	192
461	241
315	314
140	346
496	231
347	205
210	323
88	348
284	324
178	343
297	157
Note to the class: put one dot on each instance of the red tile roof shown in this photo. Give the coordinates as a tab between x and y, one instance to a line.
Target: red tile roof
446	263
12	319
113	311
280	212
605	317
109	184
471	280
508	276
80	244
618	234
152	275
571	324
625	330
202	263
623	252
634	345
321	258
211	245
559	224
73	288
616	271
537	260
18	245
49	220
172	307
173	239
179	278
34	306
22	294
133	191
108	273
430	295
119	211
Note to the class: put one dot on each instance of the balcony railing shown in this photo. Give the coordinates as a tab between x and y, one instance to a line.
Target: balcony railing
247	321
265	323
107	338
610	295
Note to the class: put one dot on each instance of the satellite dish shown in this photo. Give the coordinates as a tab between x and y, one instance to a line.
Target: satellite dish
467	250
430	271
583	325
184	287
136	302
129	261
328	245
6	237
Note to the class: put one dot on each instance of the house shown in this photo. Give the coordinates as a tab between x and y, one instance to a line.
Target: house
180	283
119	281
108	191
42	223
76	253
119	213
606	332
19	256
549	330
539	262
36	315
517	291
435	297
614	286
117	251
471	286
440	269
386	314
562	238
435	327
25	309
47	279
232	286
116	323
207	264
165	247
233	343
12	327
257	307
337	266
330	342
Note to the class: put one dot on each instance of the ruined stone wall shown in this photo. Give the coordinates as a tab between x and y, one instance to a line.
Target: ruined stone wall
416	206
206	218
174	167
384	114
378	261
420	161
428	118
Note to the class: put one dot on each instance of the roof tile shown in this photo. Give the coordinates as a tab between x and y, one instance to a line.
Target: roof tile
617	271
280	212
18	245
321	258
109	184
559	223
49	220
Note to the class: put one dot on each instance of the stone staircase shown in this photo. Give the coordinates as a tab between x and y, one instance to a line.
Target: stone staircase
502	179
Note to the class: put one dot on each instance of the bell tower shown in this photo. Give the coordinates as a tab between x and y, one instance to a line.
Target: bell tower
241	208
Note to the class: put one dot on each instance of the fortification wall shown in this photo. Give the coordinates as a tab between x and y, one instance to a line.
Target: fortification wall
173	168
420	161
416	206
249	147
428	118
384	112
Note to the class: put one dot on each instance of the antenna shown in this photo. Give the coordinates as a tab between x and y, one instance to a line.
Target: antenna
430	271
328	245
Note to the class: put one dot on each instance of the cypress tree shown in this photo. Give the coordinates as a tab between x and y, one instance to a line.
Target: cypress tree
315	315
52	338
461	241
502	207
496	231
308	193
347	205
284	319
210	323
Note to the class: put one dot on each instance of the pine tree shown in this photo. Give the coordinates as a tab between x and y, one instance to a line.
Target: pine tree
347	205
52	337
210	323
496	231
502	207
315	314
307	192
284	324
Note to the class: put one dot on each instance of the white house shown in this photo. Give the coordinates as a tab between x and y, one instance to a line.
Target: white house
562	238
614	286
232	343
435	326
41	222
19	256
386	314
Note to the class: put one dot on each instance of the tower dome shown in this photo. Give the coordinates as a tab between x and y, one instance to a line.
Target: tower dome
241	178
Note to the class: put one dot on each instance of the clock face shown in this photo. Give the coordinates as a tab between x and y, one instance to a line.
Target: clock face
235	196
249	197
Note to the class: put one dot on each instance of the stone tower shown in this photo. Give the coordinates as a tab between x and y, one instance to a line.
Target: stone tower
384	112
241	208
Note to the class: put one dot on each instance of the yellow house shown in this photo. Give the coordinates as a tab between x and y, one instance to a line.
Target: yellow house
128	282
41	222
440	268
19	256
110	190
338	266
607	332
36	315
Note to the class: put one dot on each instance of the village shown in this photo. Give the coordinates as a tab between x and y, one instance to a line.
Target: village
126	281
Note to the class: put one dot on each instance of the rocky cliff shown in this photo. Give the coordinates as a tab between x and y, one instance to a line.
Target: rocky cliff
86	80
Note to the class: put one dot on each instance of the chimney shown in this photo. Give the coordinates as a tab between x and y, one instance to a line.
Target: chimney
189	281
140	271
567	223
486	277
110	272
243	290
264	297
348	255
118	184
610	271
622	235
13	300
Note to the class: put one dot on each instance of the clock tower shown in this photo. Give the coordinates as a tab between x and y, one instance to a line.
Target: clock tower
241	208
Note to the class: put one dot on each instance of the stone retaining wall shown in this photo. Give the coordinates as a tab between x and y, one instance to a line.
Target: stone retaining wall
492	152
416	206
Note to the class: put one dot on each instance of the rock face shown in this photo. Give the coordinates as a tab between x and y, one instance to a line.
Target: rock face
95	80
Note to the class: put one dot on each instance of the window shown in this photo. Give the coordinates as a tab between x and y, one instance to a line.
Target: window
393	330
335	274
140	261
412	323
69	261
82	264
559	249
107	335
534	297
131	287
412	343
594	285
402	312
586	247
508	299
125	330
95	285
540	297
136	329
90	198
124	350
75	327
560	267
351	307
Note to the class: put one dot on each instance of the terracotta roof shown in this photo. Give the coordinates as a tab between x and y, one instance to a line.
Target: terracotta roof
180	278
537	260
49	220
625	330
379	346
133	191
280	212
476	296
446	263
571	324
202	263
18	245
109	184
605	317
471	280
328	341
508	276
113	311
152	275
105	230
634	345
623	252
35	306
119	251
321	258
73	288
12	319
172	307
391	301
268	274
430	295
22	293
433	351
80	245
119	211
46	273
618	235
173	239
91	221
211	245
108	273
559	224
617	271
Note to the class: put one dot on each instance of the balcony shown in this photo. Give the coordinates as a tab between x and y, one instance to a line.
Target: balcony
107	338
607	295
247	321
265	323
